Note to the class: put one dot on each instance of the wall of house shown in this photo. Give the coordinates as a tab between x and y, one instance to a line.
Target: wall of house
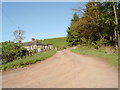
39	48
27	47
50	46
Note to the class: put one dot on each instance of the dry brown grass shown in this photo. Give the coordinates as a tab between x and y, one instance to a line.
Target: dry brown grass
108	49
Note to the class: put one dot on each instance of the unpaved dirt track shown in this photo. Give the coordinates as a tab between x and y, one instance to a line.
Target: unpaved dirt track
63	70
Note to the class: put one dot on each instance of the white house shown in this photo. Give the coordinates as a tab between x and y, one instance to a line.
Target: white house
37	46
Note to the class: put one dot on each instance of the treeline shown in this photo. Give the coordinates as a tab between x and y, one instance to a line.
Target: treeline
96	27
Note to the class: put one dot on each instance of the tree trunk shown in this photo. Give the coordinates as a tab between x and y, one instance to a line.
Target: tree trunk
117	37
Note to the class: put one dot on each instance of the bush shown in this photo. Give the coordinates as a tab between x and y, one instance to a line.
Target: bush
62	47
28	60
12	51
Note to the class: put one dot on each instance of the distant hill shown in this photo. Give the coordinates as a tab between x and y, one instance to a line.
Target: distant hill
57	42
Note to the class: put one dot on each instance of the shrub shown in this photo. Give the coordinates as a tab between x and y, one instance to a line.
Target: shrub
12	51
28	60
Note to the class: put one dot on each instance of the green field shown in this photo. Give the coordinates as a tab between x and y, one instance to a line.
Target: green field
57	42
110	58
28	60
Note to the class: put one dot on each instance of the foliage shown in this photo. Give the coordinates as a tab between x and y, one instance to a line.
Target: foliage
110	58
28	60
12	51
95	27
72	37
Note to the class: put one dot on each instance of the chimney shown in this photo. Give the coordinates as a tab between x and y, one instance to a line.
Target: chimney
33	39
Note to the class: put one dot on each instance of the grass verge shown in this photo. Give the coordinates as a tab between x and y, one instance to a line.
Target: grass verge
28	60
110	58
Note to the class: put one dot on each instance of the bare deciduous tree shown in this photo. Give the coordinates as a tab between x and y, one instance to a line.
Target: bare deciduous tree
18	35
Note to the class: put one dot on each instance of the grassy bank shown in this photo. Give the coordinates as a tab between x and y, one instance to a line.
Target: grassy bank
59	43
110	58
28	60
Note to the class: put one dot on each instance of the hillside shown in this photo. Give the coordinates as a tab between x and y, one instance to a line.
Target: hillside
57	42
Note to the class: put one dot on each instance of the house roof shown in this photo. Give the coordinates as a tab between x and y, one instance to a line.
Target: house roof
34	43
